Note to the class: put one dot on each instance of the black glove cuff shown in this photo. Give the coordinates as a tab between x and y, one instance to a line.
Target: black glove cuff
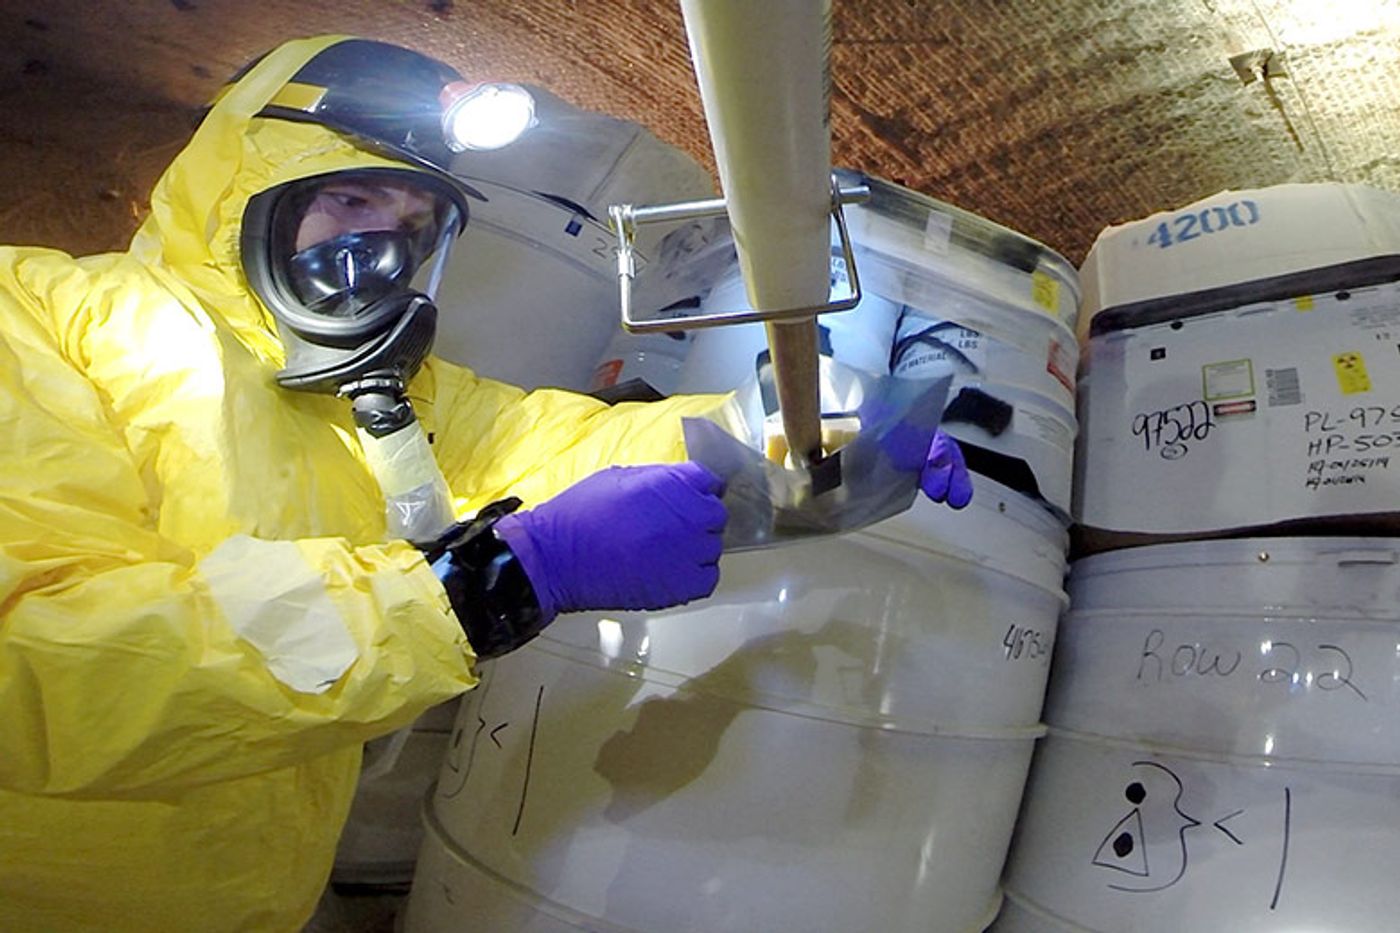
490	593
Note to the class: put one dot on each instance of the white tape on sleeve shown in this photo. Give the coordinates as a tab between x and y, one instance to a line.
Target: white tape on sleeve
278	603
401	461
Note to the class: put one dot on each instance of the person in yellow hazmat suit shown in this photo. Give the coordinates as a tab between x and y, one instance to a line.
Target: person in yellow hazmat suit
207	608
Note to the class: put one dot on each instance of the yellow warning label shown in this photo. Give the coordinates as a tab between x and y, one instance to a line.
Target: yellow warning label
1045	291
1351	372
1304	302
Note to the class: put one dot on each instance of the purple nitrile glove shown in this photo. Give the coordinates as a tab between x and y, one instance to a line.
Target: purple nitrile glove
644	537
943	473
944	477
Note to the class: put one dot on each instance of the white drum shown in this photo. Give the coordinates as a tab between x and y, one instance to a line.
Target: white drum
945	292
529	296
1242	374
383	832
836	740
641	365
1223	745
996	311
690	259
964	343
723	358
1119	838
932	256
1017	916
1238	247
1011	410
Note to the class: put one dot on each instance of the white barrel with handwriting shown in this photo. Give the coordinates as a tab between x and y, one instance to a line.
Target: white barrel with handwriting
991	308
1240	373
836	740
1224	746
945	292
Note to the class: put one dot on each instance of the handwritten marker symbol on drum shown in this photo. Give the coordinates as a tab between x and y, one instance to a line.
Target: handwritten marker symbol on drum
1157	816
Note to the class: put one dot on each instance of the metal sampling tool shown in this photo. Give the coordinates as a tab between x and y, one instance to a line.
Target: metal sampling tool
764	80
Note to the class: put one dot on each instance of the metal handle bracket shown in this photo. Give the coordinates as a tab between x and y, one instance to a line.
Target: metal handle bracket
626	218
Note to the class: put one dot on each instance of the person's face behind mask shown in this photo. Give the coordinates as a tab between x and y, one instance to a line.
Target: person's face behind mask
348	263
352	206
347	244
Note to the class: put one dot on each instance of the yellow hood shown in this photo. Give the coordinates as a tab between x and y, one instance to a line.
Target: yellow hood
197	205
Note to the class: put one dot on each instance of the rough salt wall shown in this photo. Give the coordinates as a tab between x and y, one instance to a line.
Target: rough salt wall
1054	118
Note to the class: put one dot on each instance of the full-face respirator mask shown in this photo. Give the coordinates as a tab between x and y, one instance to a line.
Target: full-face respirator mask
349	264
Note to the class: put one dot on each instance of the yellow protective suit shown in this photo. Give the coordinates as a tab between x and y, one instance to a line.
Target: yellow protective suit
201	621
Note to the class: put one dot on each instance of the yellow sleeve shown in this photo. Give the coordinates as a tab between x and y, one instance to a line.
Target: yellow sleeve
130	666
495	440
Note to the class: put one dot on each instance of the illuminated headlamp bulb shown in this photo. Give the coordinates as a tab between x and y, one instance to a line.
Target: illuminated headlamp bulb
485	116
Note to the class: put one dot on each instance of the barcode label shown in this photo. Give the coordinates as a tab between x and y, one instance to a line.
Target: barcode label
1283	387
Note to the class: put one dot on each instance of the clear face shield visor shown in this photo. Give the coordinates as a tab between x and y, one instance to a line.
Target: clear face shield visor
348	264
345	250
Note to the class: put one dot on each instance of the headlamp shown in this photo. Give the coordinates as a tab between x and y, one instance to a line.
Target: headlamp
485	116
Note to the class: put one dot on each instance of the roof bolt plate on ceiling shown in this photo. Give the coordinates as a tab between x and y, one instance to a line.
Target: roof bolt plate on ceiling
1258	65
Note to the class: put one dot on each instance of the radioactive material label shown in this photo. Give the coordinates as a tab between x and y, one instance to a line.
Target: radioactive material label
1351	373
